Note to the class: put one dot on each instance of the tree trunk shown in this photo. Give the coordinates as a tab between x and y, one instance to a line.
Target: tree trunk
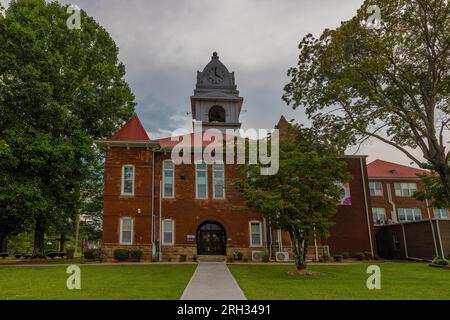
445	177
299	249
39	238
62	241
3	243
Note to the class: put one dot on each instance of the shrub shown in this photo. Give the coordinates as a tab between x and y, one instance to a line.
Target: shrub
230	259
238	256
345	255
182	258
448	257
62	254
265	257
325	258
4	255
89	254
360	256
338	257
51	254
367	255
26	256
136	255
18	255
440	261
70	253
121	254
100	254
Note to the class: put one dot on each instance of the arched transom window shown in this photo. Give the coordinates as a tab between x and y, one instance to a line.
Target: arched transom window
217	114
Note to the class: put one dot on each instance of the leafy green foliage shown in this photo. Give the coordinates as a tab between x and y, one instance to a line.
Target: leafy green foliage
303	195
59	90
136	255
121	254
390	83
432	190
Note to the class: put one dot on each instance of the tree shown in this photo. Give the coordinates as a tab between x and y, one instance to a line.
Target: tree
390	82
59	90
303	195
432	190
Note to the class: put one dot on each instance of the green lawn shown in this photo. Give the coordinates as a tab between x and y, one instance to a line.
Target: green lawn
398	281
97	282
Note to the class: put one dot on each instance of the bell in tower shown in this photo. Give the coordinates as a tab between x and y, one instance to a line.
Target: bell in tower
216	101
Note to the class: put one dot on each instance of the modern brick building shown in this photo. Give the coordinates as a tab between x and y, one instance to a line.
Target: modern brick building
155	205
406	228
391	190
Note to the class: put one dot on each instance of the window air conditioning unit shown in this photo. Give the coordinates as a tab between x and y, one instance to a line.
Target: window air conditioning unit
282	256
257	255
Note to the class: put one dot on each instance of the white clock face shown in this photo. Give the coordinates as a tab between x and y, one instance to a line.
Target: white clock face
216	75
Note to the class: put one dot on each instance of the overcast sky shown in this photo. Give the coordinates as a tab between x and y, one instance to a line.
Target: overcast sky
163	43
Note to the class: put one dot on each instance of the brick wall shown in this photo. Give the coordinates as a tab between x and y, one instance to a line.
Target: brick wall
349	234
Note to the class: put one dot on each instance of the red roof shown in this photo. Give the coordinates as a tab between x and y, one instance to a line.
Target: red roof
384	169
282	123
192	139
132	130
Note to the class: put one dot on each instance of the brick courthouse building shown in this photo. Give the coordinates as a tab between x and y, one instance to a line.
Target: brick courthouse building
153	205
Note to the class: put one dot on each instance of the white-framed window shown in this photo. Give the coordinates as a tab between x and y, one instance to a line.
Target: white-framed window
409	214
255	233
168	179
379	215
126	230
201	180
127	180
218	181
168	232
376	189
441	213
404	189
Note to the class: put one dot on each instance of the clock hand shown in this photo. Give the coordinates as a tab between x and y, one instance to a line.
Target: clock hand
217	75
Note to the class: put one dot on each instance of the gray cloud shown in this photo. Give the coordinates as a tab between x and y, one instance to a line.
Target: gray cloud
164	43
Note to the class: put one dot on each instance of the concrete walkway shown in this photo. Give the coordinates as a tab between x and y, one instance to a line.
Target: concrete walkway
212	281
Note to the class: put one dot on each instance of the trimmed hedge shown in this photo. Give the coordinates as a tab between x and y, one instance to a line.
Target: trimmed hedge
89	254
4	255
440	261
360	256
51	254
136	255
338	257
121	254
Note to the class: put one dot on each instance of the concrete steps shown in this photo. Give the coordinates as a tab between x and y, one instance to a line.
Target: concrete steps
211	258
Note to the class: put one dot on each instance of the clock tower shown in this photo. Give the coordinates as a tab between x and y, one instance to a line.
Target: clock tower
216	101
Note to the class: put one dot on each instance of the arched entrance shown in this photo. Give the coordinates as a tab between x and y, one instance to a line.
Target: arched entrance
211	239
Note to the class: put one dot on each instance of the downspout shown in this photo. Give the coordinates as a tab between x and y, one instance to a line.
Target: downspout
432	228
160	219
405	243
271	241
392	203
153	205
265	235
366	206
315	245
440	239
280	240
